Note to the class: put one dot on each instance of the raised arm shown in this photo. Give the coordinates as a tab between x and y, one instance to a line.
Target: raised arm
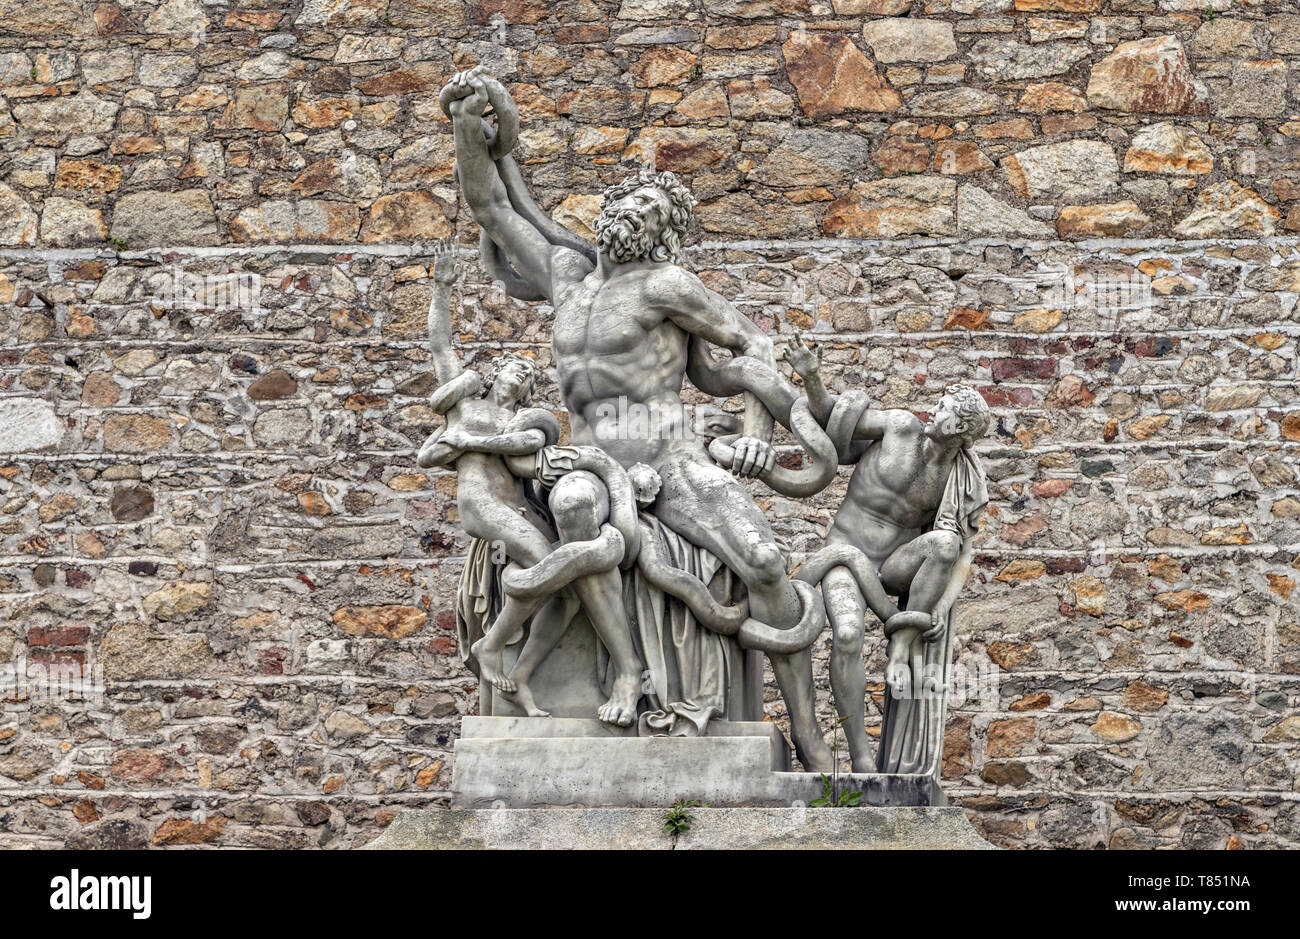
527	249
872	424
806	360
446	365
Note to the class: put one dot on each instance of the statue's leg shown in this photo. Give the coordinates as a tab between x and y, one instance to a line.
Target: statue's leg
579	504
548	627
920	570
505	530
501	525
709	507
794	677
489	648
847	612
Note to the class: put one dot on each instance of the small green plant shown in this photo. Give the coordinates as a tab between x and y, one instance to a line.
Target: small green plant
832	797
117	242
679	817
697	72
1210	15
835	800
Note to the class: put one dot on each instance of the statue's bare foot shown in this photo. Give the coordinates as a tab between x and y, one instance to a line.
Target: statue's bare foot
489	666
523	696
620	709
815	756
864	764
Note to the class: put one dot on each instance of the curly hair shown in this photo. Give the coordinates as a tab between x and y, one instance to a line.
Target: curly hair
500	362
668	246
972	410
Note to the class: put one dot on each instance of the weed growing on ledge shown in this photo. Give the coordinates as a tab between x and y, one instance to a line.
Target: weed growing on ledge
679	817
831	796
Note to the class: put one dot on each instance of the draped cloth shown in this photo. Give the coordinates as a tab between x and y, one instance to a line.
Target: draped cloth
911	738
693	674
965	495
479	599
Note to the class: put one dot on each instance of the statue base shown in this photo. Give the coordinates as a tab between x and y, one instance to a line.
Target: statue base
871	828
528	763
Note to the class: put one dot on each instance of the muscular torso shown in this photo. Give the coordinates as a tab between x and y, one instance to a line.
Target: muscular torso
893	493
621	363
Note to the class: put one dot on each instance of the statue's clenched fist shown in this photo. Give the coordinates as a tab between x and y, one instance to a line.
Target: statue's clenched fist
465	93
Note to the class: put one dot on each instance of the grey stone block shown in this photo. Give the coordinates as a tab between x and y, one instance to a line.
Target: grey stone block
534	763
870	828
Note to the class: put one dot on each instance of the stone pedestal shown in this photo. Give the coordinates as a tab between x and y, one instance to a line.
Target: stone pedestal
524	763
869	828
544	783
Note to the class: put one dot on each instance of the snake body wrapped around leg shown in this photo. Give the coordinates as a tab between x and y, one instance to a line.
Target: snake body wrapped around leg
622	500
732	620
775	641
815	569
619	541
919	620
565	564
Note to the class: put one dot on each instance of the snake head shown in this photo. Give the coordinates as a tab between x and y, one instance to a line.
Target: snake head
645	483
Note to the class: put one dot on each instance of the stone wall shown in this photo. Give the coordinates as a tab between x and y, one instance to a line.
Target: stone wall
1080	206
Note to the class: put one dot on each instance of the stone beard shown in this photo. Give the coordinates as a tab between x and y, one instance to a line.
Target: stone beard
621	233
630	233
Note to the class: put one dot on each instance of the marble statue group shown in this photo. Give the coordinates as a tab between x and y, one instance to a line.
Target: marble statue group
640	532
